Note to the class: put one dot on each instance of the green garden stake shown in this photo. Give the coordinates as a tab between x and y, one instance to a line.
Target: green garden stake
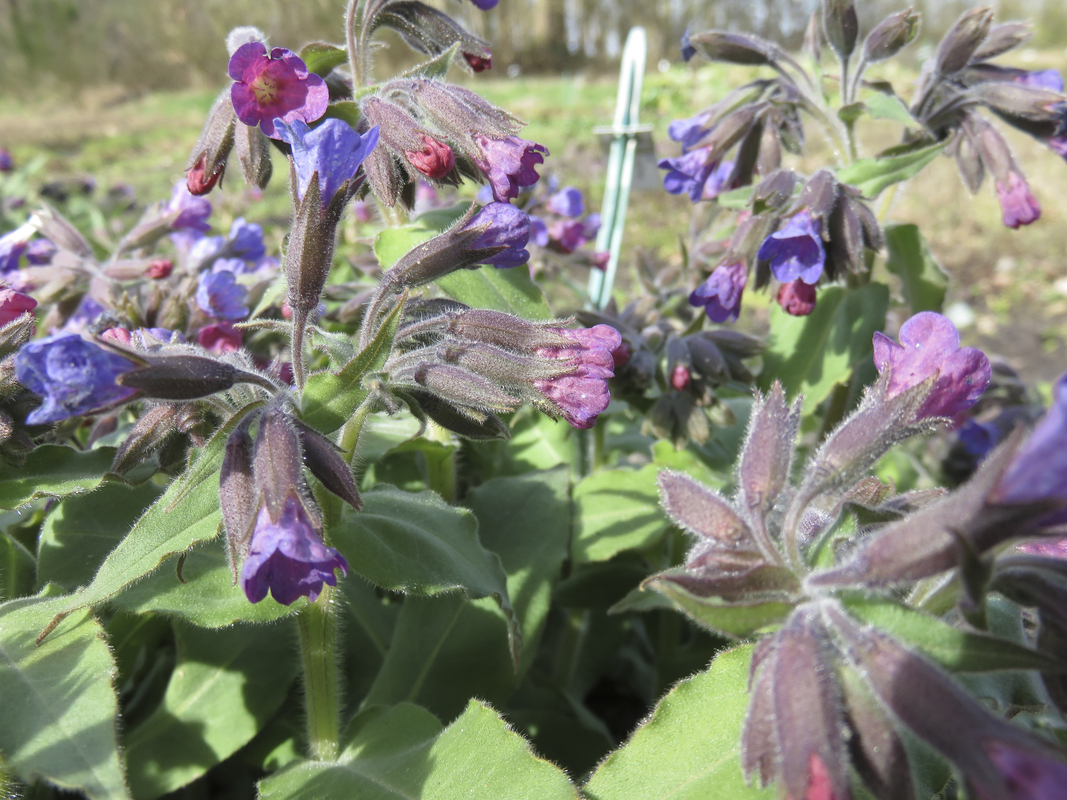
625	130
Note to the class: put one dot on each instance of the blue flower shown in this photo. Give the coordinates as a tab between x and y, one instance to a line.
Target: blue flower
219	294
695	174
287	557
689	131
245	241
721	293
1042	79
72	376
192	211
567	202
12	246
795	250
333	150
507	227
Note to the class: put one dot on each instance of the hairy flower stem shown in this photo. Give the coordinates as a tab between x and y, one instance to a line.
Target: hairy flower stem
322	689
297	348
352	17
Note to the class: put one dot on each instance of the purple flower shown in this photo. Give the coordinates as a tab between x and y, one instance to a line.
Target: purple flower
71	375
686	48
795	250
508	227
1028	774
7	163
245	241
689	131
287	557
485	5
86	314
509	164
977	438
796	298
582	393
720	294
274	86
1038	469
1042	79
693	173
12	246
930	346
205	250
40	252
333	150
567	202
192	211
538	231
1017	205
219	294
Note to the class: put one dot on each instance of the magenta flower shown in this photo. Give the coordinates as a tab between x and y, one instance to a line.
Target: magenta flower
435	159
220	338
796	250
930	346
582	393
274	86
509	164
287	557
796	298
14	304
721	293
1017	205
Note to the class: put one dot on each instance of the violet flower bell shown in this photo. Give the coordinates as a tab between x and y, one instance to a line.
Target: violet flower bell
274	85
505	226
695	175
218	293
582	393
930	347
73	376
796	250
567	202
288	558
1018	205
721	293
509	164
333	151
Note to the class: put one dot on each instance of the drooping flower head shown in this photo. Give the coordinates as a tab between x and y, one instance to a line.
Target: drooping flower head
582	393
796	250
333	150
695	175
287	558
510	164
274	85
721	293
930	346
796	298
72	376
689	131
508	227
1018	205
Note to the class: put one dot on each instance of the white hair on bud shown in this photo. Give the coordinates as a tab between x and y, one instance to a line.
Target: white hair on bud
243	35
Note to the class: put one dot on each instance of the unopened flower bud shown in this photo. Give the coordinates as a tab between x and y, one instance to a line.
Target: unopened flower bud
253	154
891	35
435	160
733	48
159	268
180	377
327	464
208	159
1002	38
841	25
962	41
797	298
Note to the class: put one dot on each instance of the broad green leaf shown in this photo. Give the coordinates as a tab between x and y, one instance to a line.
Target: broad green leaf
737	199
690	748
436	67
417	544
923	281
537	442
509	290
225	686
57	718
615	510
382	433
392	244
78	535
18	569
811	355
53	470
881	105
738	620
321	57
186	514
401	753
205	595
872	175
330	398
954	649
345	110
666	456
447	650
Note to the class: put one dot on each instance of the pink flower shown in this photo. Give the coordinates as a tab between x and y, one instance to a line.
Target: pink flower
274	86
220	338
1017	205
13	305
435	159
797	298
581	393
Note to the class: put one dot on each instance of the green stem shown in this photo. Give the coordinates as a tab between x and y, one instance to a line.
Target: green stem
322	688
351	18
351	431
569	648
600	435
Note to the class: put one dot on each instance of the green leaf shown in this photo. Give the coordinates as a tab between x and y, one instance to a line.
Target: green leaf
226	685
330	398
346	111
436	67
690	748
923	280
872	175
78	535
852	112
17	569
57	719
401	753
615	510
53	470
954	649
888	106
736	199
392	244
205	595
811	355
509	290
321	57
738	620
417	544
447	650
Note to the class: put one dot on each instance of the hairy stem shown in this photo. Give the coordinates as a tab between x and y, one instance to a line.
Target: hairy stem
322	688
